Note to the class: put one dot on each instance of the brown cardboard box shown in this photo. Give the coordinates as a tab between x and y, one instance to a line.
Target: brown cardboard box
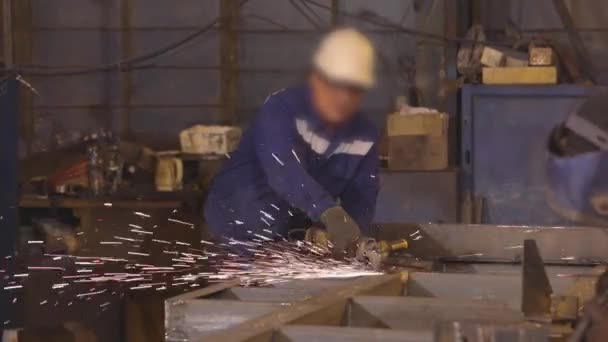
541	56
417	141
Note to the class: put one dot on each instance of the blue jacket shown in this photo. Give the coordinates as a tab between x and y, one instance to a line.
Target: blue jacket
288	166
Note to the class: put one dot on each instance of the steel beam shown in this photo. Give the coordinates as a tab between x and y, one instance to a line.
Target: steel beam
490	243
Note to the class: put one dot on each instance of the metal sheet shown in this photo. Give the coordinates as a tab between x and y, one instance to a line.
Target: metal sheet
422	197
194	319
415	314
503	157
507	289
298	333
482	243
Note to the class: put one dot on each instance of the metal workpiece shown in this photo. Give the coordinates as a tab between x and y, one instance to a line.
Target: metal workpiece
532	284
566	246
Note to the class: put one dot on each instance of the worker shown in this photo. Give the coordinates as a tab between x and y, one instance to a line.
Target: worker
309	157
578	186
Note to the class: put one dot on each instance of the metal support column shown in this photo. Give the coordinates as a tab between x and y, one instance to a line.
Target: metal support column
7	32
126	47
335	12
22	12
9	117
229	12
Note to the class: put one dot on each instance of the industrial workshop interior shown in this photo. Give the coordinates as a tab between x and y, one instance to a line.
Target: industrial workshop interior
304	170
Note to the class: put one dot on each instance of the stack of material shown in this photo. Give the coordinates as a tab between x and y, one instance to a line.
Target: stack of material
505	67
417	140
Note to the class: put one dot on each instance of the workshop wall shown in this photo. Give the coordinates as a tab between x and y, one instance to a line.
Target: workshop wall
182	89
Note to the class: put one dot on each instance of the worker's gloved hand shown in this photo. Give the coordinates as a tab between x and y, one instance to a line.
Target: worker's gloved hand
598	332
343	231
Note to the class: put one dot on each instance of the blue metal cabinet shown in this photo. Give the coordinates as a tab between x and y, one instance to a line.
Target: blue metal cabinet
504	131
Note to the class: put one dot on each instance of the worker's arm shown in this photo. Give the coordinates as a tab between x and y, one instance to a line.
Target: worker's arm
275	135
359	197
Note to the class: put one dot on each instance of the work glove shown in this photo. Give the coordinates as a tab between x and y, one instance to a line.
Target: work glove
343	231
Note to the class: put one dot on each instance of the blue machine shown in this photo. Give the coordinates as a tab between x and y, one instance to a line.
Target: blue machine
504	156
9	117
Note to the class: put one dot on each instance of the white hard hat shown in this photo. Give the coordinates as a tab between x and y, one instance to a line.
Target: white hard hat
346	55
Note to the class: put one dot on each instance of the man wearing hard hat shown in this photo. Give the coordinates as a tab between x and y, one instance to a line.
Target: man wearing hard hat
309	157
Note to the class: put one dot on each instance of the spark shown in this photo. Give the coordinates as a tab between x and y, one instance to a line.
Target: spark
139	231
107	204
182	243
80	295
277	159
161	241
191	225
138	253
21	275
295	155
45	268
140	287
135	226
206	242
414	233
32	242
110	243
267	215
43	302
238	222
514	247
140	214
418	238
13	287
59	286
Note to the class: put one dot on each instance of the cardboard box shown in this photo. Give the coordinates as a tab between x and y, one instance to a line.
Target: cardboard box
541	56
202	139
492	57
520	75
417	141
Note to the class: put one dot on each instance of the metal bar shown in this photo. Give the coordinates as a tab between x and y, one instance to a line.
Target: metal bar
335	12
9	116
7	32
126	47
229	60
22	54
194	28
326	308
150	105
586	62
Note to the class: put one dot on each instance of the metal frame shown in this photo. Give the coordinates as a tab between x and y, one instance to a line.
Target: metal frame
399	307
